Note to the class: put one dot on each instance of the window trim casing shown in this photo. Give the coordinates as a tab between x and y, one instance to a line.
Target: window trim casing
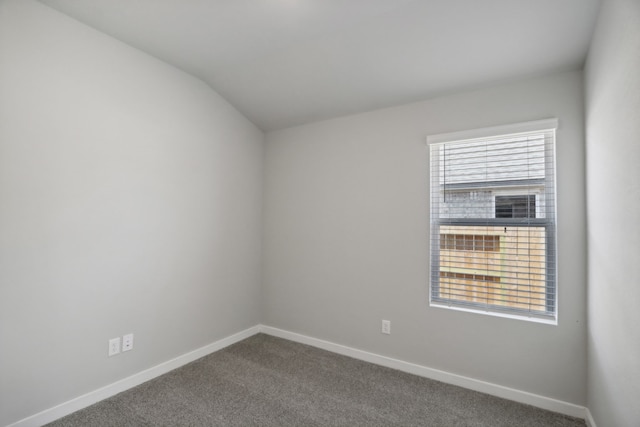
490	133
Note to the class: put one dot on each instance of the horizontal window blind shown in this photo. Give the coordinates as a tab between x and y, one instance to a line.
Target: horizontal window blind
493	214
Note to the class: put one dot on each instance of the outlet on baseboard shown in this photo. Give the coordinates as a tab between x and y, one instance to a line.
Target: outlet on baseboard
114	346
386	326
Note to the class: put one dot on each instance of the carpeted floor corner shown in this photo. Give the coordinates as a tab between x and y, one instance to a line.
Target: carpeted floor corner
268	381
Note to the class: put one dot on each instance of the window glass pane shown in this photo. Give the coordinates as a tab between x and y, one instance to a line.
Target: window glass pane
508	271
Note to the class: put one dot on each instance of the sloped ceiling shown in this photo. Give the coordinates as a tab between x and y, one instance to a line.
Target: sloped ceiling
287	62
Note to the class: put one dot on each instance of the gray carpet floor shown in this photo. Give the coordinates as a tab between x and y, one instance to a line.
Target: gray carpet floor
267	381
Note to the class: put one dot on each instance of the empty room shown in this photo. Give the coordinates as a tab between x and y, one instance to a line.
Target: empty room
320	212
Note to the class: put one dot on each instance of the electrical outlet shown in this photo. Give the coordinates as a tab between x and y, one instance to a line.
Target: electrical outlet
386	326
127	342
114	346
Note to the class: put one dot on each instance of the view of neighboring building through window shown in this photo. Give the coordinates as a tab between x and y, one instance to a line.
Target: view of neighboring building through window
493	221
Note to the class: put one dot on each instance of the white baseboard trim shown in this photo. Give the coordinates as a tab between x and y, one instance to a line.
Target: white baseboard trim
543	402
95	396
589	419
105	392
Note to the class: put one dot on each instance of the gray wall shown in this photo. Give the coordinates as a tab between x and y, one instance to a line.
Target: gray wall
346	239
130	201
613	182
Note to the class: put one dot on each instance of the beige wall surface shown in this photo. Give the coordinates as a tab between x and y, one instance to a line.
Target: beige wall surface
346	239
130	201
613	183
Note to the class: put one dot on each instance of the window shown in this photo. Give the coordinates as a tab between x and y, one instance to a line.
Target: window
493	221
516	206
469	242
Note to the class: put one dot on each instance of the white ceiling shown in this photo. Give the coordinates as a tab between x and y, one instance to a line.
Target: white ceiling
288	62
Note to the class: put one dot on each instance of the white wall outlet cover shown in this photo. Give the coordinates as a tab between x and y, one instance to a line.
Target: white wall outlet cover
127	342
114	346
386	326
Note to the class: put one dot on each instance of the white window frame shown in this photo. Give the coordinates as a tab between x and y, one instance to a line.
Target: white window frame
547	126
